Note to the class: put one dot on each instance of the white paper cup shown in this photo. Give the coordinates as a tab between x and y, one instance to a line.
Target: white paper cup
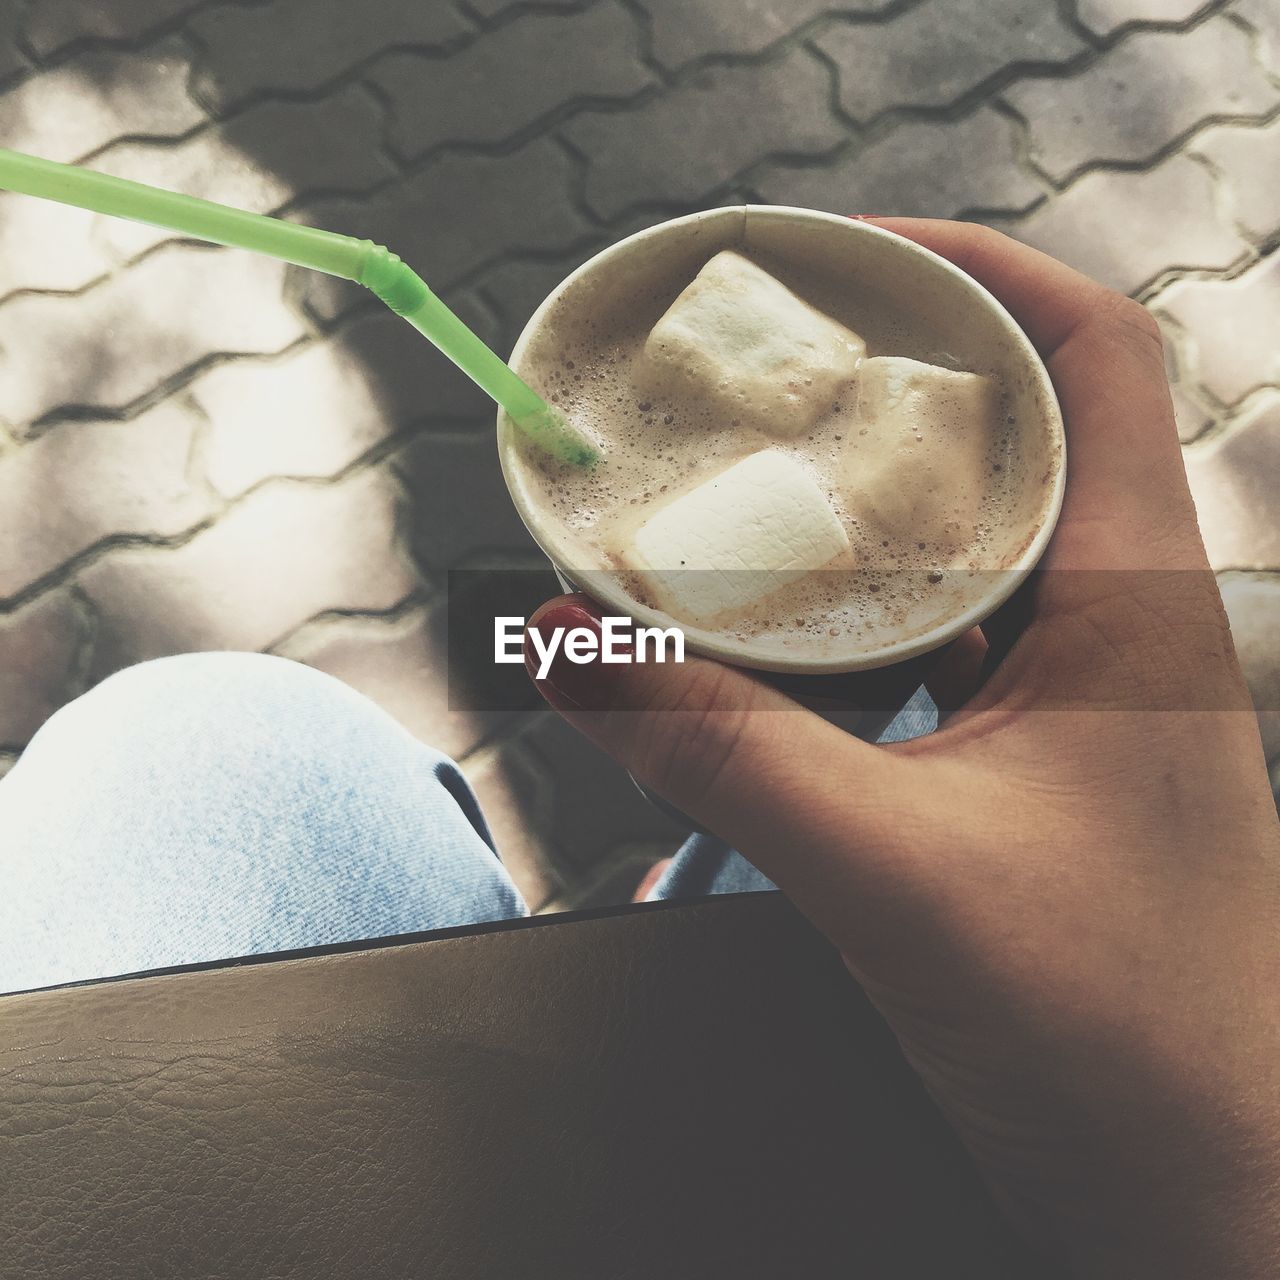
870	259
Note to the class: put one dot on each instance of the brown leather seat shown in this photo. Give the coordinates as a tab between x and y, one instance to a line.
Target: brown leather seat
661	1092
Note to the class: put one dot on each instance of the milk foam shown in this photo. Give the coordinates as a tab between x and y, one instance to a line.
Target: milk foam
658	446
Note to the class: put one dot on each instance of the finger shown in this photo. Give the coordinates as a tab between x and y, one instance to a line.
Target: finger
790	791
958	674
1048	299
1127	502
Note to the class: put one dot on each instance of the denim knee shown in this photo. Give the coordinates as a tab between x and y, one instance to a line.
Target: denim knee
226	804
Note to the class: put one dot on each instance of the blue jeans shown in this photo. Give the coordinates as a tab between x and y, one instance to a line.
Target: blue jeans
218	805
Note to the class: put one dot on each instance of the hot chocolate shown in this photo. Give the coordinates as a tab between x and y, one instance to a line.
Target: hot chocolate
804	462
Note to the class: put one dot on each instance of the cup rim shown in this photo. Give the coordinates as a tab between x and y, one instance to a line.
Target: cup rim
604	589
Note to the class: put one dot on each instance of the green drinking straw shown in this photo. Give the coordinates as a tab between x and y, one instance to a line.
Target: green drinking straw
369	264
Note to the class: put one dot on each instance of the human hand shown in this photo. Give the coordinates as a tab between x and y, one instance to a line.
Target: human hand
1065	902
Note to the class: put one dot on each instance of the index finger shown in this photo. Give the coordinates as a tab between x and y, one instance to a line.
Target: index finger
1047	298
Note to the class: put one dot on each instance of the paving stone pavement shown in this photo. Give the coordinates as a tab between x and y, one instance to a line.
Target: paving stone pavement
200	450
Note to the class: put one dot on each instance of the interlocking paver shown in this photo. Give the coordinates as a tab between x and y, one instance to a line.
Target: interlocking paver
261	159
457	213
1230	329
294	45
684	31
517	807
100	96
48	246
518	286
461	513
1141	95
560	808
121	339
909	171
685	144
51	25
506	81
616	880
85	481
1248	157
489	9
1192	418
597	807
1253	605
282	556
1264	17
401	664
315	411
39	645
1102	17
1105	224
1234	480
11	60
933	54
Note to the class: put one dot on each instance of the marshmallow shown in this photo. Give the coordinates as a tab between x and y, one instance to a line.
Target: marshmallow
743	343
736	538
916	466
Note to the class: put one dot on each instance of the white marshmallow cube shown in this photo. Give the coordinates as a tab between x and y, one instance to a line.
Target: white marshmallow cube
741	343
919	450
736	538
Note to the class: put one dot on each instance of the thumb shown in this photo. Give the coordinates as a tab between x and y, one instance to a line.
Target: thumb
793	793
